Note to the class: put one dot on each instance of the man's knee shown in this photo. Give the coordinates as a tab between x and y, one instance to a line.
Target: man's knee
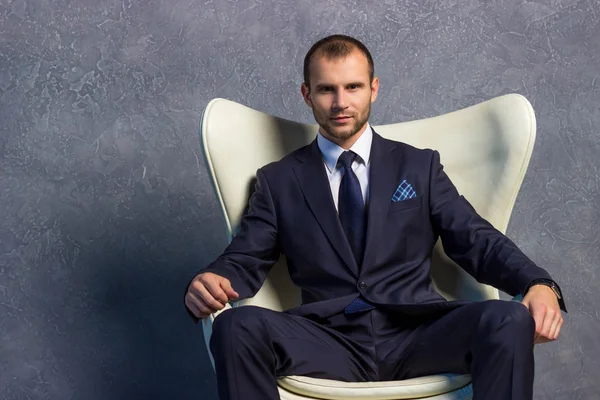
507	316
238	325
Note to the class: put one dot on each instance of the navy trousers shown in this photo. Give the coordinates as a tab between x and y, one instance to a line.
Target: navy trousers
491	340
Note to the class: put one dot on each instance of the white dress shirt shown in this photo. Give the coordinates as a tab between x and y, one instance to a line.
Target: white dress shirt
331	152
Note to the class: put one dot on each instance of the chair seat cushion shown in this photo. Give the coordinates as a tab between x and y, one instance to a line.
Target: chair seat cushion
406	389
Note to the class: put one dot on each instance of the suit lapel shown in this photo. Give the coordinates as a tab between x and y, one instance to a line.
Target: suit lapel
313	181
383	170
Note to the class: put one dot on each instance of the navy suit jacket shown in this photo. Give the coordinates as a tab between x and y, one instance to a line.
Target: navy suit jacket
292	212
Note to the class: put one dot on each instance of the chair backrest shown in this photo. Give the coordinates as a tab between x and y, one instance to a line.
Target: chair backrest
485	150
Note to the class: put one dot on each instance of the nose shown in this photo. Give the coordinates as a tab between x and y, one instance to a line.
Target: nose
341	100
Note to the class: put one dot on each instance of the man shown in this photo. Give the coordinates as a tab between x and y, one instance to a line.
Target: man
357	217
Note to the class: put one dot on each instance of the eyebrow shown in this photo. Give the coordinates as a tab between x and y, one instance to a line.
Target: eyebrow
328	85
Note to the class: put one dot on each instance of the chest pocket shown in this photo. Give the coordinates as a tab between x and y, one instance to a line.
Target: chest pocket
406	204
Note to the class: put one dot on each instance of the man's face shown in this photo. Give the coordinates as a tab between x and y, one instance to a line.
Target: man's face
341	95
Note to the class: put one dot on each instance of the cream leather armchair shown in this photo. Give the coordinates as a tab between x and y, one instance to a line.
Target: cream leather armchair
485	149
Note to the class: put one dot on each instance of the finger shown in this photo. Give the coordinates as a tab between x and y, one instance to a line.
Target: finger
556	329
192	307
549	318
553	326
226	286
209	299
199	289
538	316
197	306
204	311
204	315
214	287
200	305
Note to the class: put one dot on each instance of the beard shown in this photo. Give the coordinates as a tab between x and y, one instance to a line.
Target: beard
342	132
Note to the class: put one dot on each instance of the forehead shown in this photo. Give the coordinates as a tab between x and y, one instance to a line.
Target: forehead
340	70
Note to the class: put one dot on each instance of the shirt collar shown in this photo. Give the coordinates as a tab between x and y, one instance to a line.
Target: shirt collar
331	151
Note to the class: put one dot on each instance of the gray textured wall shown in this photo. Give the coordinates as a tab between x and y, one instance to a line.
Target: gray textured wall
106	209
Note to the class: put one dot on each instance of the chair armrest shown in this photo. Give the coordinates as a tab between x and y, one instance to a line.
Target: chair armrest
207	324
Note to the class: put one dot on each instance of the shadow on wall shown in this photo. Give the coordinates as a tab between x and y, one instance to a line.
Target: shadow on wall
159	351
118	326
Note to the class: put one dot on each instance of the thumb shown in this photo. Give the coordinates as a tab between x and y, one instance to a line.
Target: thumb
226	286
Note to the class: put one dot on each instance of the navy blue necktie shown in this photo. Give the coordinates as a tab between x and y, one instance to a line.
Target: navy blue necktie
351	206
351	209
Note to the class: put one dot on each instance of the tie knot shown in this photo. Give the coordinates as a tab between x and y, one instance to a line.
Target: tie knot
347	158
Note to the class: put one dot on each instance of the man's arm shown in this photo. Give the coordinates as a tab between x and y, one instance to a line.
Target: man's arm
247	260
474	244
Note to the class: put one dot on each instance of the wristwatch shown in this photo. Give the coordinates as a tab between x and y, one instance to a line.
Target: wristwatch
546	282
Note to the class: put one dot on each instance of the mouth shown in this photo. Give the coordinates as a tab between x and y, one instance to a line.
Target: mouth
342	119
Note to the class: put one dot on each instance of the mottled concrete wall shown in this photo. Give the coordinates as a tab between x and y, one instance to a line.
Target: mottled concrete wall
106	208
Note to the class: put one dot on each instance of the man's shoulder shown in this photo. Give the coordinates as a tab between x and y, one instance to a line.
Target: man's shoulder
286	163
408	150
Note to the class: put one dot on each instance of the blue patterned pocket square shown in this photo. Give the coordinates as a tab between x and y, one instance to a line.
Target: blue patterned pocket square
404	191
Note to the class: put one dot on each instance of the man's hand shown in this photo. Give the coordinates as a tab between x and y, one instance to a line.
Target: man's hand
543	306
208	293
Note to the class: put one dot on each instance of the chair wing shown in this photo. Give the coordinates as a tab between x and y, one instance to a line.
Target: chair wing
236	142
485	150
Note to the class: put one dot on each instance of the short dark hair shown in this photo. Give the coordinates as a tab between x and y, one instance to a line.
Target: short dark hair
333	47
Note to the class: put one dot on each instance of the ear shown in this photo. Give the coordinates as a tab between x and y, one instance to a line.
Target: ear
306	94
374	89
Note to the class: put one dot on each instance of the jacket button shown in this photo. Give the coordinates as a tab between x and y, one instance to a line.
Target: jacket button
362	285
